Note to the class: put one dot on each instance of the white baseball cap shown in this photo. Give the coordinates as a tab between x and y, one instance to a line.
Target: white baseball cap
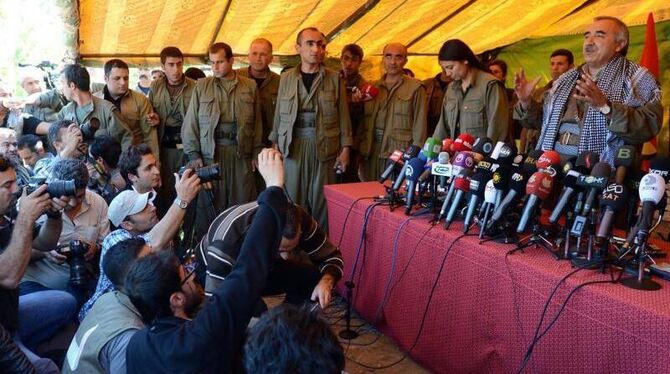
126	204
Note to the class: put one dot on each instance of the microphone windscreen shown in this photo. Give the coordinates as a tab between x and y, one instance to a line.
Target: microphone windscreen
660	166
570	179
414	169
518	183
446	145
652	188
614	196
411	152
431	148
462	143
519	159
547	159
462	183
504	154
483	146
586	160
601	170
501	177
478	182
625	156
396	156
540	185
369	91
443	158
490	192
530	163
463	160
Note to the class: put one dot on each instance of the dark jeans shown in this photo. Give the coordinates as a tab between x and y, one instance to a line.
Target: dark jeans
80	294
295	278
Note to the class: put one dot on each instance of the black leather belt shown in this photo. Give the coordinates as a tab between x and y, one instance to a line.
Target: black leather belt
568	138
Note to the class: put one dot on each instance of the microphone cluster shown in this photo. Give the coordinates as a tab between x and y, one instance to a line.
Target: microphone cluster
489	185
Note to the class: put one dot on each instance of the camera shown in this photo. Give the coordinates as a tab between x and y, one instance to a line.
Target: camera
55	188
206	173
75	252
88	129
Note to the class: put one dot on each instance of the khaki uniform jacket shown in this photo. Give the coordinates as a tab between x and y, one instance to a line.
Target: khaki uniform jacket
267	93
333	125
160	100
481	112
111	122
204	113
405	121
134	110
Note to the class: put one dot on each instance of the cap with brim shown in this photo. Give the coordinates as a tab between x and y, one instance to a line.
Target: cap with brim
126	204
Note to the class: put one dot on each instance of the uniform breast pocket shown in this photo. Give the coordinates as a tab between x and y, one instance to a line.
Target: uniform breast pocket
285	108
402	110
472	115
329	106
205	110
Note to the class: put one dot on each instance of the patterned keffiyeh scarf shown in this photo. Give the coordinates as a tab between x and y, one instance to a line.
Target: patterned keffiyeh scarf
621	81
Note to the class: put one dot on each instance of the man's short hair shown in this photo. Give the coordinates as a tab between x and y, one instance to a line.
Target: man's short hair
298	38
28	141
106	147
66	169
217	47
293	221
149	283
156	71
118	259
288	339
114	63
564	52
353	49
77	74
194	73
263	40
6	163
131	159
7	132
622	36
171	52
54	130
497	62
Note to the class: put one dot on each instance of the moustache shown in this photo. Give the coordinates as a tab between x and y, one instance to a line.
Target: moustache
590	48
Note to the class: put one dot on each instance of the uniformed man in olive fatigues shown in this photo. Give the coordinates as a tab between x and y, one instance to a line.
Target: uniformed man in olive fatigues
136	111
170	96
83	106
311	125
435	89
267	82
395	118
223	125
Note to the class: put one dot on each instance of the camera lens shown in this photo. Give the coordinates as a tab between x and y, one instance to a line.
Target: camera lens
58	188
209	173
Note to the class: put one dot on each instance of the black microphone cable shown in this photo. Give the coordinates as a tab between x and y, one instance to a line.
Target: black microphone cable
425	313
346	218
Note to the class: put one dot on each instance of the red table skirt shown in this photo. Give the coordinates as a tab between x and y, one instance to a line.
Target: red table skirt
485	306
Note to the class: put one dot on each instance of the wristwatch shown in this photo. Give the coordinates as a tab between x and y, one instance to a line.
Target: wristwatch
605	109
181	203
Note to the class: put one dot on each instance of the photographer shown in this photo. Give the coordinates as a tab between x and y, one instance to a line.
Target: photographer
8	148
17	237
31	149
134	215
105	176
67	141
85	221
166	295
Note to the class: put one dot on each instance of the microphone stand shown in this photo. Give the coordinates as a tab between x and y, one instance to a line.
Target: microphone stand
640	249
536	237
507	233
348	333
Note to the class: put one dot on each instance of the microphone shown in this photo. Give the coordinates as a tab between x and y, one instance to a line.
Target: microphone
483	146
446	145
369	91
431	148
517	186
529	165
462	186
595	182
549	162
613	200
489	199
652	191
394	160
538	189
478	184
462	143
442	168
624	159
413	171
411	152
569	187
503	153
584	164
462	161
660	166
500	180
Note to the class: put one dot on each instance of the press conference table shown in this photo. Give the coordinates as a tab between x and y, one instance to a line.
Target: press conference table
486	305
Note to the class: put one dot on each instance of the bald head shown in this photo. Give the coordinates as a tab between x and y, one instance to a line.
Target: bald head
395	58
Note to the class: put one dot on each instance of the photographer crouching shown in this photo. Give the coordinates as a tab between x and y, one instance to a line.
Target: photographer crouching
18	236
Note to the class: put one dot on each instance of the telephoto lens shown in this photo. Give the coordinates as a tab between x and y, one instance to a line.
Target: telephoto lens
78	270
206	174
88	129
55	188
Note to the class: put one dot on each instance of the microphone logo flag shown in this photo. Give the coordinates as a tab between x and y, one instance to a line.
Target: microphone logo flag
441	169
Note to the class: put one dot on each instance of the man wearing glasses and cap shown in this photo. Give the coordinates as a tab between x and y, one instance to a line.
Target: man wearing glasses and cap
134	215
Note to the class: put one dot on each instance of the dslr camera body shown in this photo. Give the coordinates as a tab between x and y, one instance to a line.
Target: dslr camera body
206	173
75	252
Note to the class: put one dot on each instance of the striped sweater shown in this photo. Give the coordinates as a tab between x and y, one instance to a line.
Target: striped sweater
230	228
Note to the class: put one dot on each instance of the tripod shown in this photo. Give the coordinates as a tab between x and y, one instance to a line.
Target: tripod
507	234
640	249
348	333
536	237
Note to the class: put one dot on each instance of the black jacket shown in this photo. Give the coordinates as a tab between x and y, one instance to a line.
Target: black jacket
211	342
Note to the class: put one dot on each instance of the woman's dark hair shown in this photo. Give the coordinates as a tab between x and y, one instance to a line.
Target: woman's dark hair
457	50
